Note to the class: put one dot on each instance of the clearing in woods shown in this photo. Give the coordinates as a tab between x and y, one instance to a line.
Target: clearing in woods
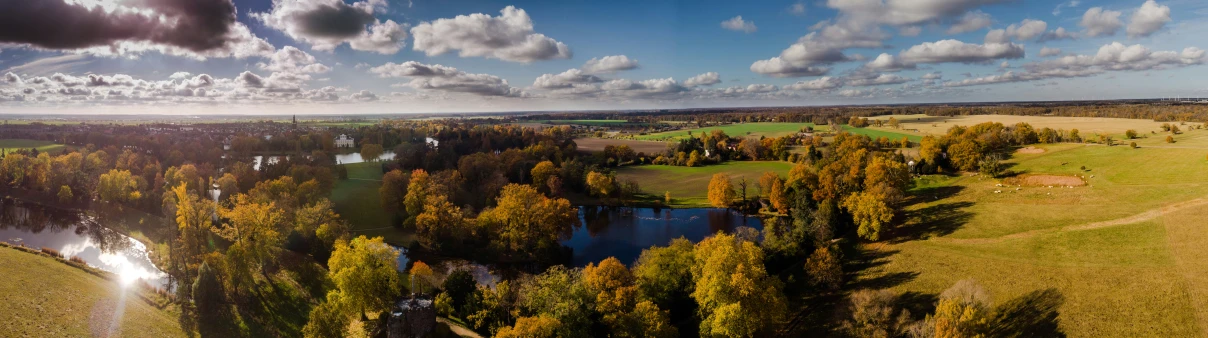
9	145
1125	255
689	186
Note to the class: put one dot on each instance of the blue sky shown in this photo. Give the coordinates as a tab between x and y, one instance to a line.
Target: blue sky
390	56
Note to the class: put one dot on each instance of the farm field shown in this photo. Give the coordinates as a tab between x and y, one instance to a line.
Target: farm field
357	201
1087	126
890	133
592	144
41	297
1124	255
769	129
42	146
689	186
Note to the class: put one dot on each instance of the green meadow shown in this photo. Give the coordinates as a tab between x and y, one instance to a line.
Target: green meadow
1125	255
357	200
689	186
42	146
756	129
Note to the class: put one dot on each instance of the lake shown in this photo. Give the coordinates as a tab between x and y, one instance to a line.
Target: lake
348	158
624	232
75	234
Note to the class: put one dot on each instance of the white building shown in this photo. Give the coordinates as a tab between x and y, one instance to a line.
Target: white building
344	142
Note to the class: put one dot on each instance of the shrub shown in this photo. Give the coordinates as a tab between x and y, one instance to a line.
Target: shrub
1169	139
52	252
78	260
1132	145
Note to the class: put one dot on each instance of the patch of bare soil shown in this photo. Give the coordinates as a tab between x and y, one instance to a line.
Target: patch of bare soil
1046	180
1030	150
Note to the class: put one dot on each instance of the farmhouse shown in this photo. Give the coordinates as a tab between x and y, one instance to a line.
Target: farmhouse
343	141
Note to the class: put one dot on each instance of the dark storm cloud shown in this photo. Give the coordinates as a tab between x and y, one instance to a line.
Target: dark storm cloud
334	21
193	25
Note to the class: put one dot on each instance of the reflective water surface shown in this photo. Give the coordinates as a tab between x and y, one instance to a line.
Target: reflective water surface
77	235
624	232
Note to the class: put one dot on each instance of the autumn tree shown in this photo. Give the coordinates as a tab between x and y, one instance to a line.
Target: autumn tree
364	274
874	314
870	211
560	293
824	269
1169	139
542	326
370	152
526	222
394	190
117	186
963	311
737	297
721	191
1130	134
779	197
617	302
765	183
418	190
422	276
440	223
600	184
542	173
965	155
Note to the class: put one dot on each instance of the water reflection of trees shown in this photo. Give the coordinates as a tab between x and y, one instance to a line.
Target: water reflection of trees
35	219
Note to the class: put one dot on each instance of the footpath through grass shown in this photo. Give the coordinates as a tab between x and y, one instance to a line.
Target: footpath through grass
357	200
10	145
42	297
689	186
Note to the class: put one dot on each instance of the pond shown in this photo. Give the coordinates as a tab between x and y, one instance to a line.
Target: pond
76	235
624	232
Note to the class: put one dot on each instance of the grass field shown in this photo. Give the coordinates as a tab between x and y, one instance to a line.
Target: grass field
1126	255
769	129
42	146
41	297
689	186
357	201
892	134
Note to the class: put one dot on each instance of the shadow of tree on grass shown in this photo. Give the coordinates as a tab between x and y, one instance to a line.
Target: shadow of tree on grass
1031	315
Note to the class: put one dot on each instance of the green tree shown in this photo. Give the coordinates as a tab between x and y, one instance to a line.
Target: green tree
560	293
664	274
329	319
370	152
459	285
208	297
1130	134
737	297
721	191
364	273
65	195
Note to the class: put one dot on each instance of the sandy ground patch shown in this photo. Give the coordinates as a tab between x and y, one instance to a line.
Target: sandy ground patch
1046	180
1030	150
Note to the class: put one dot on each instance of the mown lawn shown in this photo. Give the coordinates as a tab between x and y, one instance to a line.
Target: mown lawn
9	145
41	297
357	200
768	129
689	186
1145	274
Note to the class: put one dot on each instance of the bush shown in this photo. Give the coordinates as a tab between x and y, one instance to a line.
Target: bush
1132	145
52	252
460	285
78	260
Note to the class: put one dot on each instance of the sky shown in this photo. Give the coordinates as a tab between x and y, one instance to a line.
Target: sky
431	56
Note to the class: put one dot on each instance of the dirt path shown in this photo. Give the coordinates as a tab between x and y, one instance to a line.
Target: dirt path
458	329
1141	217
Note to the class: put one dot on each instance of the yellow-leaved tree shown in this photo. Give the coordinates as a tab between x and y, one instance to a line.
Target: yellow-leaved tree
721	191
737	297
527	222
364	274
